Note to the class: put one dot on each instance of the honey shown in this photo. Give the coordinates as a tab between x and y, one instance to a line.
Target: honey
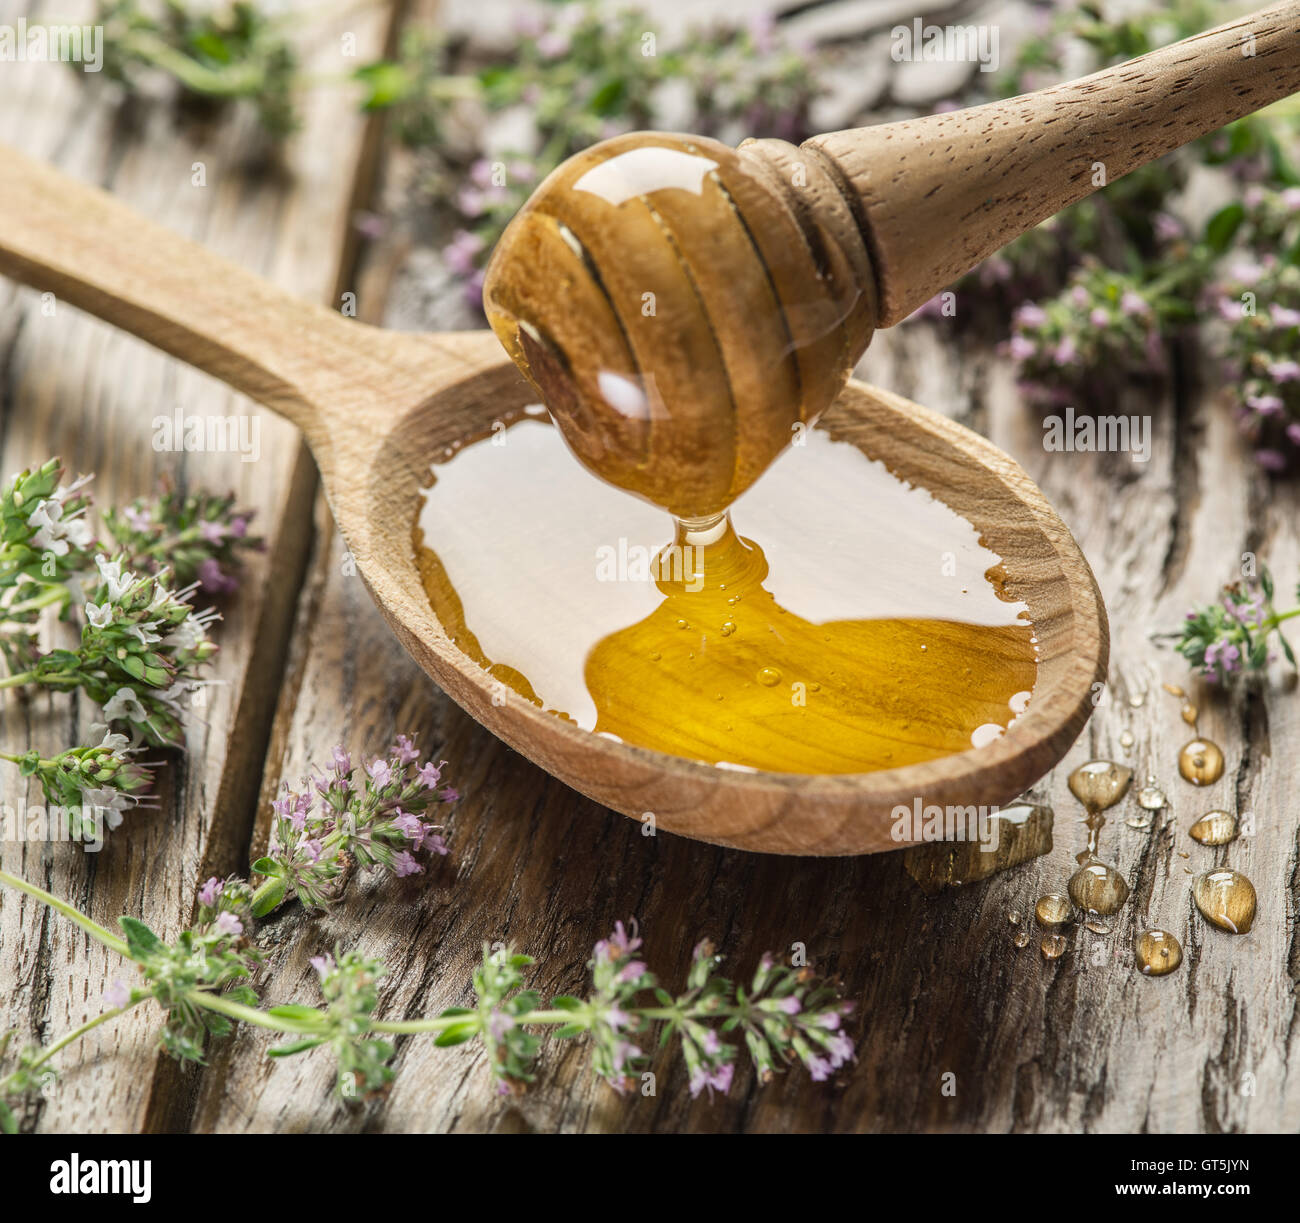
846	623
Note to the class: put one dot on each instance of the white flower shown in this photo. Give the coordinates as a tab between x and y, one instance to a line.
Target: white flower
112	741
50	532
99	614
144	633
79	532
124	704
189	634
109	801
118	580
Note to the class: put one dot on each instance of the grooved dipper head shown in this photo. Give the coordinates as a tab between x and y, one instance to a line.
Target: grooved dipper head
682	307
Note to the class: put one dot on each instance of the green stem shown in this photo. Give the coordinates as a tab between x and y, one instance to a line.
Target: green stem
440	1023
1277	617
233	82
93	928
34	677
246	1014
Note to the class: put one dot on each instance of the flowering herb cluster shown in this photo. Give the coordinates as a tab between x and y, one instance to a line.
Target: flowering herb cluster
142	646
198	537
1257	294
1233	637
204	981
376	815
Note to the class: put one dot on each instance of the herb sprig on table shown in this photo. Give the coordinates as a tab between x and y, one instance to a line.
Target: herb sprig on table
1233	638
141	645
378	816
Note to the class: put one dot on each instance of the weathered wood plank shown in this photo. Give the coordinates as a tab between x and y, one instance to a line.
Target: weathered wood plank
77	387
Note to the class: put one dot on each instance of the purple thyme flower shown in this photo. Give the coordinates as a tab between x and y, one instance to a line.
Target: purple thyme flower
116	995
209	892
404	864
228	923
405	751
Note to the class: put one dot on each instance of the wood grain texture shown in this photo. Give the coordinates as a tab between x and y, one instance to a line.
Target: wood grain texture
940	193
1067	1046
87	391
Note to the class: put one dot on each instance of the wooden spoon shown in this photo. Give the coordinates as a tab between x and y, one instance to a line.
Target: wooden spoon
375	407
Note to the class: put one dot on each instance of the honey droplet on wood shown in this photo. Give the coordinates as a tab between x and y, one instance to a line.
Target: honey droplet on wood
1052	910
1021	939
1190	714
1098	888
1174	690
1214	828
1157	952
1201	762
1100	784
1226	898
1151	797
1053	946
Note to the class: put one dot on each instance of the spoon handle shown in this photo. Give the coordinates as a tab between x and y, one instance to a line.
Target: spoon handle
64	237
939	194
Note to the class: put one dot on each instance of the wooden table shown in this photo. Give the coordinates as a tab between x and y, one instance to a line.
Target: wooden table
957	1028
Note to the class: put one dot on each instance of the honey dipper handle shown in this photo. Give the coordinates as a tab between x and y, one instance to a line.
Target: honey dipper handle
72	240
939	194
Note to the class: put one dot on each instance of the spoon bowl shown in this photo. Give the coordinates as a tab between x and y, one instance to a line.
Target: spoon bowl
762	811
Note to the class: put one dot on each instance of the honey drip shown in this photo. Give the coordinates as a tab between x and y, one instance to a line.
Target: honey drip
836	639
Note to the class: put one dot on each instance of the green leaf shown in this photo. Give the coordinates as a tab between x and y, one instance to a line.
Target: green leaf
565	1002
455	1010
293	1010
268	900
1266	582
8	1122
608	99
385	82
570	1030
1223	225
295	1046
520	961
140	940
457	1034
268	867
1286	649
